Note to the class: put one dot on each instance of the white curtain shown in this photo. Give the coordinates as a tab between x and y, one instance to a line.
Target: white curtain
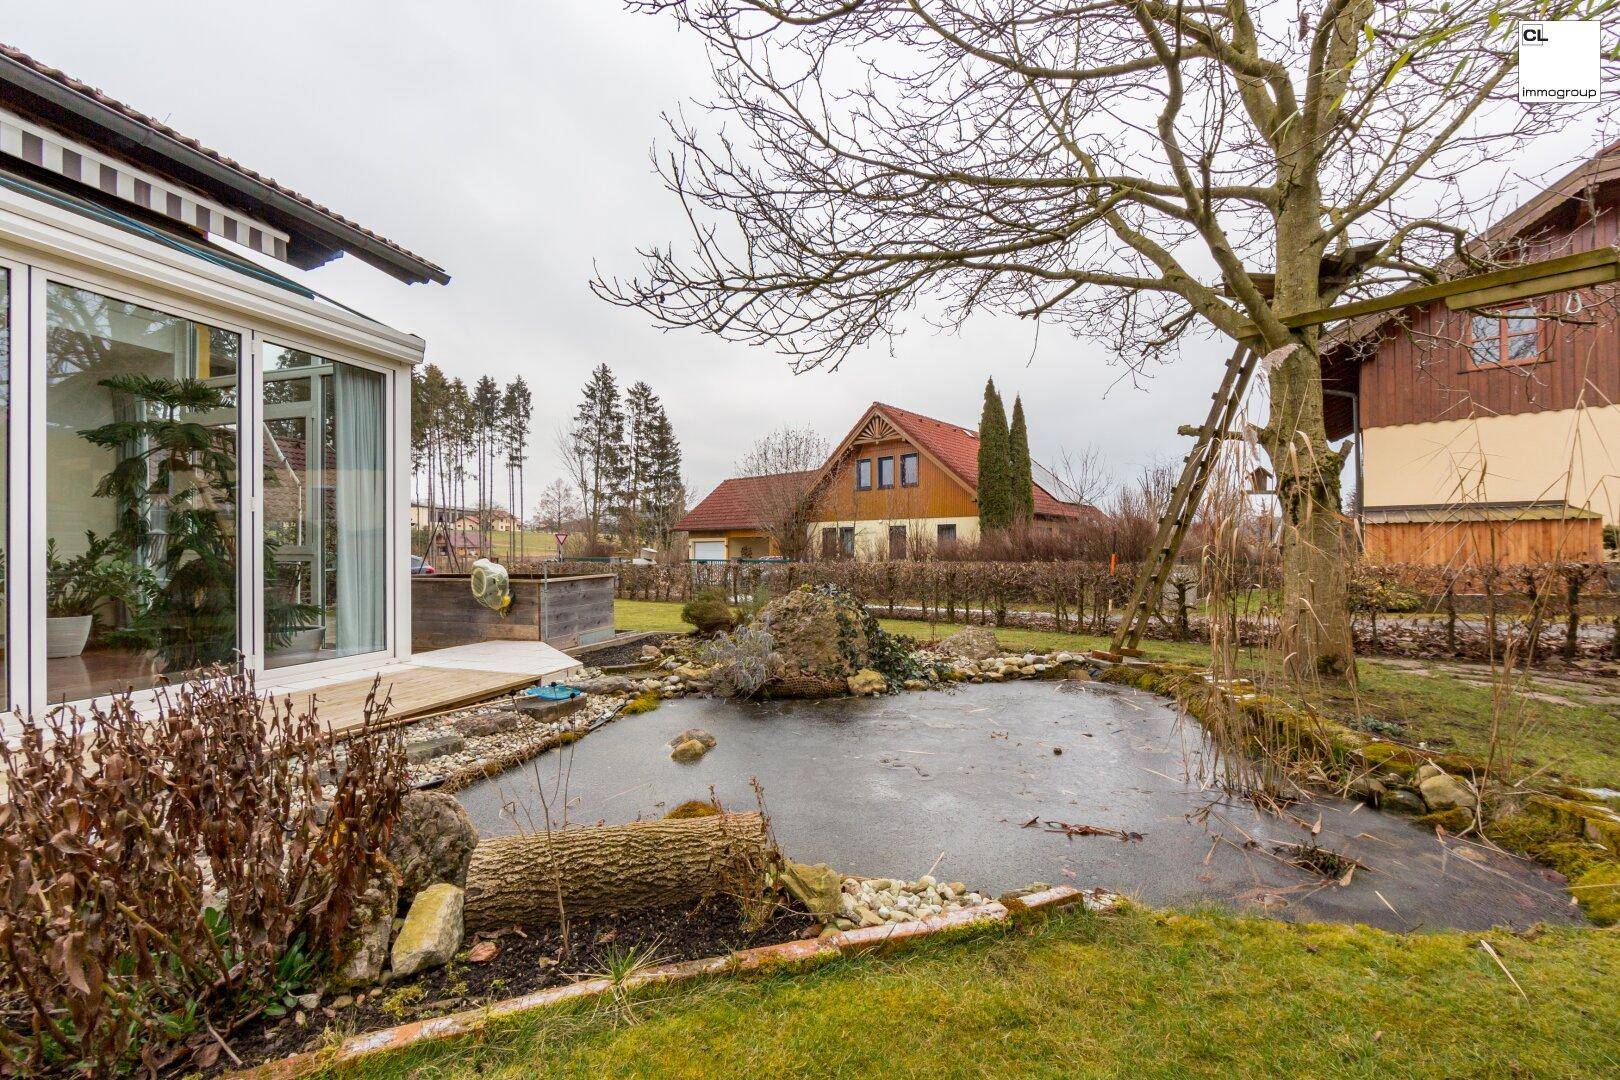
358	402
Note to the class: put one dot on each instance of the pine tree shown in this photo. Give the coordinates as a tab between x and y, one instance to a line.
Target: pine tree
1021	470
486	404
996	506
596	443
517	410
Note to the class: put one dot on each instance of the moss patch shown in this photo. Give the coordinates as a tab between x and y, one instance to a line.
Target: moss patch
1598	891
642	703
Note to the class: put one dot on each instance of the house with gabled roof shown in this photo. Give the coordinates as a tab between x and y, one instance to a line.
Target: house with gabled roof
898	482
1493	433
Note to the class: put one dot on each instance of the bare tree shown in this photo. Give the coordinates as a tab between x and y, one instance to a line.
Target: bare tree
787	463
1083	474
1133	169
558	506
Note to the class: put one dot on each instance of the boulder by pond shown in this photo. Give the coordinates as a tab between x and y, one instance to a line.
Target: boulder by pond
822	638
365	950
432	841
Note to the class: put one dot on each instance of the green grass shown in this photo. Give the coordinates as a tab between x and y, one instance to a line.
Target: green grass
1133	994
1578	742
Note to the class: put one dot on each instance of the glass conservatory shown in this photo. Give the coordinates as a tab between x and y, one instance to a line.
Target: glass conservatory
206	462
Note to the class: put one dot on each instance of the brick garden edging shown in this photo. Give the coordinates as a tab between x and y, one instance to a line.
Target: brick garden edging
786	954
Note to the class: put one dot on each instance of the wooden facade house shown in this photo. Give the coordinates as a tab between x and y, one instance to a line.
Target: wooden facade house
1492	434
898	482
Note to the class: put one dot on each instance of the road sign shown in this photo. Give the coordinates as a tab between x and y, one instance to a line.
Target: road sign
562	538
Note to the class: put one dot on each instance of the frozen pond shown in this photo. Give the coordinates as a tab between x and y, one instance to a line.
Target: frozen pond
885	786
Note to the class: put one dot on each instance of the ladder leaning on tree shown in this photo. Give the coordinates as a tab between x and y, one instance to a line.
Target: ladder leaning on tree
1184	499
1600	266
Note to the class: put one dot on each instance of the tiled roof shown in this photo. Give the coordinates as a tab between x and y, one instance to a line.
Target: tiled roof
734	504
957	448
158	127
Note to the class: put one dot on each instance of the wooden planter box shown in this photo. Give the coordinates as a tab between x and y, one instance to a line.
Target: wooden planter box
573	611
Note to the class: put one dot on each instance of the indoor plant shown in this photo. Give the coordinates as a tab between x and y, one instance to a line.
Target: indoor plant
75	588
168	457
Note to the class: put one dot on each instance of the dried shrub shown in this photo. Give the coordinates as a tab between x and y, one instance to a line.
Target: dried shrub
741	664
169	875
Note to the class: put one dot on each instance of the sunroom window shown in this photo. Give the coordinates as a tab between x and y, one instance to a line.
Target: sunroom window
141	505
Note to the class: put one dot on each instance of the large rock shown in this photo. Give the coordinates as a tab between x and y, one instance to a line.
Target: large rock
818	887
433	841
364	950
820	636
971	643
423	750
432	931
1442	791
694	733
479	725
866	683
688	751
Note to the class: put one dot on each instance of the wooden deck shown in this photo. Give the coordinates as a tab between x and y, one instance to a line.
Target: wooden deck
431	682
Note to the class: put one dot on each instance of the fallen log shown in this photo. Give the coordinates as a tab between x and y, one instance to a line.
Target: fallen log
533	879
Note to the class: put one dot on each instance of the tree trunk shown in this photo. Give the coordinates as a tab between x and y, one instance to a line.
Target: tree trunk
610	868
1315	610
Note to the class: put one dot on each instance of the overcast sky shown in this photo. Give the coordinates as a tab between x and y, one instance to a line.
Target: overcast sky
511	147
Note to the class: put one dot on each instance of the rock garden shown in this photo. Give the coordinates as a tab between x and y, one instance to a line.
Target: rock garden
916	784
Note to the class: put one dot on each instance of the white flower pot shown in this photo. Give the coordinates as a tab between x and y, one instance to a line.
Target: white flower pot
66	636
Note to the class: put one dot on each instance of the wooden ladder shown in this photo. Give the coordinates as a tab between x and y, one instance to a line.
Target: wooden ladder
1195	473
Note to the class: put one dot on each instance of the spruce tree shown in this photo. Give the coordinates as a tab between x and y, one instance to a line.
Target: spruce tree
597	443
486	404
665	495
1022	472
517	410
996	507
641	409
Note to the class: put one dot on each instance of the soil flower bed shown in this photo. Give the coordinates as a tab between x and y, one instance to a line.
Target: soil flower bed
511	961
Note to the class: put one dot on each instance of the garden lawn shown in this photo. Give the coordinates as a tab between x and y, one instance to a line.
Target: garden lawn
1578	742
1134	993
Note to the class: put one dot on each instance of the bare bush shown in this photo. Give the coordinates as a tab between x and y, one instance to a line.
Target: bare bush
170	873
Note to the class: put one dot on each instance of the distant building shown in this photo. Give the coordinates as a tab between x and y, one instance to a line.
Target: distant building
461	517
897	480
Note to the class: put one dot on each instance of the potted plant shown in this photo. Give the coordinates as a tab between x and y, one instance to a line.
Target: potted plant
166	456
76	588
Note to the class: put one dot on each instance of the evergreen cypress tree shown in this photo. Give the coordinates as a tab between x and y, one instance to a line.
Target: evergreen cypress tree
996	506
1022	472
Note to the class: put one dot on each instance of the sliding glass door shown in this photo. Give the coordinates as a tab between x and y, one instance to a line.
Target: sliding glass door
133	548
325	438
141	418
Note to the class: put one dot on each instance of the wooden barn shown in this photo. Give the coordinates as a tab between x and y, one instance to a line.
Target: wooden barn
1493	434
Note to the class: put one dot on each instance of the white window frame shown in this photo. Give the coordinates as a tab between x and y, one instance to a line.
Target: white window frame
39	243
396	502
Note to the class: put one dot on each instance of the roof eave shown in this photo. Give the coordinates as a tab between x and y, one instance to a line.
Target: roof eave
330	237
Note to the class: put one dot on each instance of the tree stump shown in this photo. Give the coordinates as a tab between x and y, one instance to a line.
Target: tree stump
602	869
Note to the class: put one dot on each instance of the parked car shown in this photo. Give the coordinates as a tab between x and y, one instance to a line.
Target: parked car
420	565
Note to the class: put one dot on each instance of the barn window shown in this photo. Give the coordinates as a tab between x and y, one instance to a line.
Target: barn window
1500	340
